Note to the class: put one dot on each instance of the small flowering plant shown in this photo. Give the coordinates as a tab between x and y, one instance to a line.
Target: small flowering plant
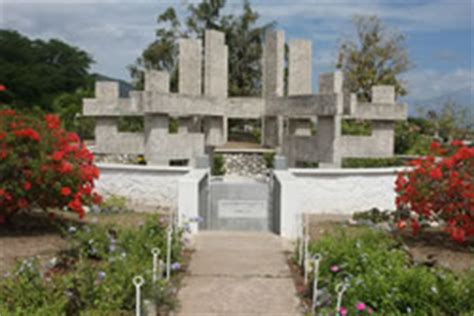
440	188
42	166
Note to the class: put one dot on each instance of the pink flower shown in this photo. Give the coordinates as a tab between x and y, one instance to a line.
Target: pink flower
360	306
343	311
334	268
370	311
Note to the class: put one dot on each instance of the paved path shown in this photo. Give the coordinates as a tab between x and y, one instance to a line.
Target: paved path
238	274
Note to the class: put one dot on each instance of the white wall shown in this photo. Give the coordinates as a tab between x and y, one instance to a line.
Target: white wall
332	191
188	198
149	187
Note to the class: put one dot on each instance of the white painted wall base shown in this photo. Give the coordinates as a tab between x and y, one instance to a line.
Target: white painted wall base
146	187
332	191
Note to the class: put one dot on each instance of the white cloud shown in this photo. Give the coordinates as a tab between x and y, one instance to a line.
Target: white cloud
429	83
408	15
115	31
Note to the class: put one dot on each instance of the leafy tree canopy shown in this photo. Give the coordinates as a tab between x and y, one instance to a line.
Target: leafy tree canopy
244	38
37	71
376	57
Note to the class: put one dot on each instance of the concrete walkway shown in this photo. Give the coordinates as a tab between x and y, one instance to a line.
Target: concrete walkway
238	274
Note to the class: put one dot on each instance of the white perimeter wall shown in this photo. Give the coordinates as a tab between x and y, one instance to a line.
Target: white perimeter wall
147	187
314	191
332	191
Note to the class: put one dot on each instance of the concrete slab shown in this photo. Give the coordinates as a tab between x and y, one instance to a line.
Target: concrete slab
241	254
240	274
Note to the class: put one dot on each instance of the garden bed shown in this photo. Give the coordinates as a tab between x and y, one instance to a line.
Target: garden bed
30	235
431	247
66	266
388	272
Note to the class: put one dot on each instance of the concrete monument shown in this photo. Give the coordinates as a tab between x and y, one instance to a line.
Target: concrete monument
302	126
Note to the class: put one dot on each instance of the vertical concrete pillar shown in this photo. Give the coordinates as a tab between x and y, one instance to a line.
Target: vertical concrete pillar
383	94
299	67
214	130
107	90
273	63
189	124
328	138
331	82
156	129
225	124
157	81
270	131
183	125
350	103
281	129
106	129
383	138
190	66
215	64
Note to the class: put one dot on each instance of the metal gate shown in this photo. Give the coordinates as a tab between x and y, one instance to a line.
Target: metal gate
239	205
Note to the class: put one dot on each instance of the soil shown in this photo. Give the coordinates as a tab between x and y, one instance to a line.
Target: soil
36	234
430	247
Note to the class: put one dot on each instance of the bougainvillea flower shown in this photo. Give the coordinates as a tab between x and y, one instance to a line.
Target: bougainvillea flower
52	121
3	88
27	133
440	188
27	186
436	174
65	191
35	170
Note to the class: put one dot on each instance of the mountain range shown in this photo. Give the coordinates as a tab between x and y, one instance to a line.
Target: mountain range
463	98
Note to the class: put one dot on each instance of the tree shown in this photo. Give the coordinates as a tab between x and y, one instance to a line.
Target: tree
36	71
377	57
452	121
243	36
69	106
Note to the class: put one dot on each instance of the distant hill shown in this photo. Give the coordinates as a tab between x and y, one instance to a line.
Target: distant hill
124	86
463	97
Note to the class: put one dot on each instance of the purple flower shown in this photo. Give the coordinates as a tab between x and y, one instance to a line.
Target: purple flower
112	247
101	275
334	268
197	219
175	266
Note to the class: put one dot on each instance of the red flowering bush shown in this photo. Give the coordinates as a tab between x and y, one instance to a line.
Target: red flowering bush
42	166
440	188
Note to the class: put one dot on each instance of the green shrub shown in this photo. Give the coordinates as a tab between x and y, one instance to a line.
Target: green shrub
356	127
173	126
374	215
372	162
380	275
269	158
218	165
307	164
114	204
131	124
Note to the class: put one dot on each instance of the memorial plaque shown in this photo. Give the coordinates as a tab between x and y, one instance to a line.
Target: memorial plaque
242	209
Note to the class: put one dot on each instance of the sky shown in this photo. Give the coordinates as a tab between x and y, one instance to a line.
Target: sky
439	33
